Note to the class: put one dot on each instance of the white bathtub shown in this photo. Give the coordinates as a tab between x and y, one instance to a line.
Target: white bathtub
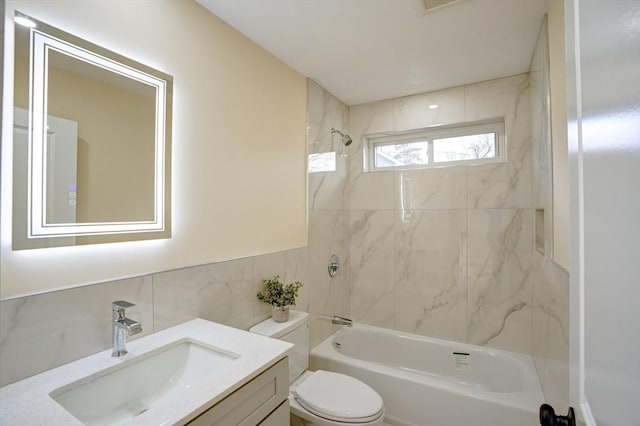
431	382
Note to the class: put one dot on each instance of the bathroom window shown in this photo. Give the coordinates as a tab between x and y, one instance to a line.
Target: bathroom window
462	144
322	162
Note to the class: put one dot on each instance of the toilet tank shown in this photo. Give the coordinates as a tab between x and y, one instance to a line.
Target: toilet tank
295	331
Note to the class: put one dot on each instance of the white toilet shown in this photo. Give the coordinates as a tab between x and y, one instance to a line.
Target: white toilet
320	397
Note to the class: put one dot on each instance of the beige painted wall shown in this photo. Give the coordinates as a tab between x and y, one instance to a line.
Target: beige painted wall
560	153
239	151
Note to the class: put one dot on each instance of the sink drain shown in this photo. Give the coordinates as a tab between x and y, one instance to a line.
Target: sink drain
140	412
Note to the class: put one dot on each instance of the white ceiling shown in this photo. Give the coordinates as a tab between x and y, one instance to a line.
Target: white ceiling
369	50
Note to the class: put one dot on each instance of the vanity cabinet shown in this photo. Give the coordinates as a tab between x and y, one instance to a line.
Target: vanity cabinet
264	401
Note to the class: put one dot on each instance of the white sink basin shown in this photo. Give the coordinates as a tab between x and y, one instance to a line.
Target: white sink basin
124	391
174	374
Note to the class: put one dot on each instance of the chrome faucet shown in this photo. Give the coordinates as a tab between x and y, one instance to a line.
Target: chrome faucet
341	321
122	326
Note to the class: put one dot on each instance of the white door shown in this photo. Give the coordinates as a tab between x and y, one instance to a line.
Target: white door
603	52
62	143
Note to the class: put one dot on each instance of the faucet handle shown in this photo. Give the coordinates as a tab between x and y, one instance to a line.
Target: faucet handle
121	304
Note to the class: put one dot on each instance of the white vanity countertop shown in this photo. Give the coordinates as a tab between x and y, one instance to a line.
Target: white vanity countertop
27	402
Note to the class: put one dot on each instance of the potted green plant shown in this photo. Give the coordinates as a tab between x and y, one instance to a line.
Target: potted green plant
279	296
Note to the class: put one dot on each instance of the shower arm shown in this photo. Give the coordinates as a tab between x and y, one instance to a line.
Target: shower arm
346	139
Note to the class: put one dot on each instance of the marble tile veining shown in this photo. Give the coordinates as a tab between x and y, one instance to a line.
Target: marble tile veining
221	292
430	274
500	269
327	190
44	331
372	191
437	188
371	267
503	185
493	98
324	112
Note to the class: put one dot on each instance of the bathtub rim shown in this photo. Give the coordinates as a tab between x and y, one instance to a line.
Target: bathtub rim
528	399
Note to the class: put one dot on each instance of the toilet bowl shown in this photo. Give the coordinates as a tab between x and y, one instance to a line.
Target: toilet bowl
321	398
324	398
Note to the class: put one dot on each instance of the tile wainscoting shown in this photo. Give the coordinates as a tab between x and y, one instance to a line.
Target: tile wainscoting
47	330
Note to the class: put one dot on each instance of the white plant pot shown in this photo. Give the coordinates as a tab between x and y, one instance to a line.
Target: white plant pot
280	314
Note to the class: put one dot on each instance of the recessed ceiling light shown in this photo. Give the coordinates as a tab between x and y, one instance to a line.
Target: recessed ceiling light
433	106
24	21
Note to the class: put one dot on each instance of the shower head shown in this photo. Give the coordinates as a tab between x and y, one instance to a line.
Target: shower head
346	139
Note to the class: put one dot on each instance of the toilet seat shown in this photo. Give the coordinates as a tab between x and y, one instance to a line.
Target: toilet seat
338	397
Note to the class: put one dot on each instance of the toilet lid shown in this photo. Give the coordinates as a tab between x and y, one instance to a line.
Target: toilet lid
338	397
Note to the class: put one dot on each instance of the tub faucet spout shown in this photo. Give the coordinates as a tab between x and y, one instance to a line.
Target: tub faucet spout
341	321
122	326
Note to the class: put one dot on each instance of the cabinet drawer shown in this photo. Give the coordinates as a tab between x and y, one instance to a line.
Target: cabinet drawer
253	402
280	417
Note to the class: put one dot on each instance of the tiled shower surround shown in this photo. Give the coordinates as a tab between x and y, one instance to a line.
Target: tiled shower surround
444	252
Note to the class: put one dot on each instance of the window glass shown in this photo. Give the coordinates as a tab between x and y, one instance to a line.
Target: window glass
405	154
470	147
451	145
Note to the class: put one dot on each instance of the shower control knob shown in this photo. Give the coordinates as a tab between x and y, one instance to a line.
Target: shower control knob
334	265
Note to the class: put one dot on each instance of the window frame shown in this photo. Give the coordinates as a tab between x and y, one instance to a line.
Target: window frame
428	134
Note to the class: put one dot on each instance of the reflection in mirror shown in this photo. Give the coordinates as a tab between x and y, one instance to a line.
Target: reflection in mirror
91	143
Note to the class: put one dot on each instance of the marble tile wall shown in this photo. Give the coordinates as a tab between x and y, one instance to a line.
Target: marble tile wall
445	252
551	283
44	331
328	218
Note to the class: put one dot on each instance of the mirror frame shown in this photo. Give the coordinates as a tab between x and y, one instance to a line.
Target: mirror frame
44	39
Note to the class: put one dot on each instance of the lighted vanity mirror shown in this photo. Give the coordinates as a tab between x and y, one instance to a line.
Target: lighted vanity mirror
92	143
